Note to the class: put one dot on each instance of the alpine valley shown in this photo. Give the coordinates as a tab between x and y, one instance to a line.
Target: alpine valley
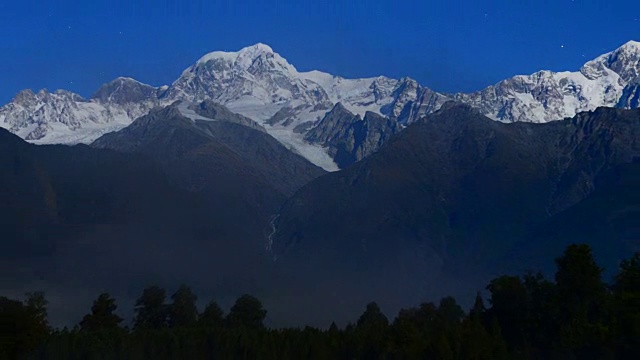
310	190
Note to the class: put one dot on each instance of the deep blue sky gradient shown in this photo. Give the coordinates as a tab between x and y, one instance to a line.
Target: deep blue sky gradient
447	45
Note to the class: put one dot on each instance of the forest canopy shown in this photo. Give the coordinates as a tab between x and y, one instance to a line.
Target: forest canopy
576	315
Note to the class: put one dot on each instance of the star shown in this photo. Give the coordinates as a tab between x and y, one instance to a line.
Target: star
562	46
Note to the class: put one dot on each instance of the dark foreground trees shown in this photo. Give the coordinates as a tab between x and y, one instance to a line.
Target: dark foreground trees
23	325
247	313
102	315
576	316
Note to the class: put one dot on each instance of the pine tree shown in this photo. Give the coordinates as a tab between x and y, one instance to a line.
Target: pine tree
450	311
582	297
628	278
478	342
247	312
478	310
183	311
626	289
448	323
37	305
509	308
23	326
212	316
333	328
372	318
371	330
102	315
13	331
543	312
150	309
409	341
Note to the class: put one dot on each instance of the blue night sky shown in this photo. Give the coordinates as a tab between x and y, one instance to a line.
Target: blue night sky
447	45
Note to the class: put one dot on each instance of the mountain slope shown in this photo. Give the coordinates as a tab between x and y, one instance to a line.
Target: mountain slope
452	195
350	138
185	196
606	220
208	136
56	198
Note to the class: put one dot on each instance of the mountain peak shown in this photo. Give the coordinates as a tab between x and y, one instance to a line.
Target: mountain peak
625	61
339	107
125	79
23	95
258	48
629	49
125	90
632	44
251	52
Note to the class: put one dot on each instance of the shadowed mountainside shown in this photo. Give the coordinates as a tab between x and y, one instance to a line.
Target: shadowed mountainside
457	197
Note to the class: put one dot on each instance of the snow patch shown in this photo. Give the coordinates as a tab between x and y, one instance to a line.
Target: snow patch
295	142
183	108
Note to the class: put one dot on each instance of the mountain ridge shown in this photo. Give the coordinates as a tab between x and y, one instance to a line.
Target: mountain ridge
259	83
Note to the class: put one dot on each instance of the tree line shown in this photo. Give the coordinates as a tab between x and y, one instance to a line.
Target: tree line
576	315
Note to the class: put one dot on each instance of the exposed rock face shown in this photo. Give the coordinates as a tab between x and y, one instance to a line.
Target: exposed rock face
630	98
350	138
124	91
211	110
333	126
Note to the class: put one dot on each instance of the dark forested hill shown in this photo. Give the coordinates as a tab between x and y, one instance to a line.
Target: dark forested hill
164	200
458	195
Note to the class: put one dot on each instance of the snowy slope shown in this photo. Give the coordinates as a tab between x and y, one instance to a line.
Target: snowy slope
357	95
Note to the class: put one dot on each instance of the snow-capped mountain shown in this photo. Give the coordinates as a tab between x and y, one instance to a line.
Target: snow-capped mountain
259	83
546	95
254	81
66	117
